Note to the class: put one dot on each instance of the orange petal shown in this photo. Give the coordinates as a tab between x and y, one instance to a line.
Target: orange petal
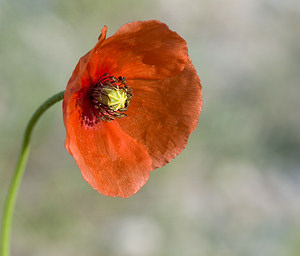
163	113
140	50
92	63
110	160
79	75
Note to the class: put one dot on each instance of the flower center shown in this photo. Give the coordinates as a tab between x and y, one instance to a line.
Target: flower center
110	97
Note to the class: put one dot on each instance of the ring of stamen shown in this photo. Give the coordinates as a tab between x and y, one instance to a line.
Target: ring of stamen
110	97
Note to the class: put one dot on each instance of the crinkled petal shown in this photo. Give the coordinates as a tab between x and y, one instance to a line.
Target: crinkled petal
163	113
140	50
110	160
75	84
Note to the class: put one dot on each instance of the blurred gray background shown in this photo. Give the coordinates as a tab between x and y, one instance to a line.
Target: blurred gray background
233	191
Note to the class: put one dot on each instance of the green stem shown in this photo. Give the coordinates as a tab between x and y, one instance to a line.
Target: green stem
19	171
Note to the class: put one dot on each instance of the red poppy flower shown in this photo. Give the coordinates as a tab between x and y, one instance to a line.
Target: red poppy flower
130	106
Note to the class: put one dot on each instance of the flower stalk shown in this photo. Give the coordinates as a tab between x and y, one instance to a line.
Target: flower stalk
18	174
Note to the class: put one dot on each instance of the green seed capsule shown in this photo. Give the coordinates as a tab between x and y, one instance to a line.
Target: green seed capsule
114	98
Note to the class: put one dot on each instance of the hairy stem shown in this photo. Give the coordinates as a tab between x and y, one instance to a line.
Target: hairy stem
18	174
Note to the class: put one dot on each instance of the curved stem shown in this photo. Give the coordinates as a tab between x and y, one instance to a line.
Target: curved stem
18	174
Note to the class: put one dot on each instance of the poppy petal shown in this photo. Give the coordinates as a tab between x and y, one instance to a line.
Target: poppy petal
140	50
110	160
163	113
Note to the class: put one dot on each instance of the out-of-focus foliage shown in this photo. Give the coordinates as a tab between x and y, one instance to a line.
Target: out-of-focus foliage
233	191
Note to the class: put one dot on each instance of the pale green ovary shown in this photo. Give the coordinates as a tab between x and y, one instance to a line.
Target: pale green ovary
116	98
